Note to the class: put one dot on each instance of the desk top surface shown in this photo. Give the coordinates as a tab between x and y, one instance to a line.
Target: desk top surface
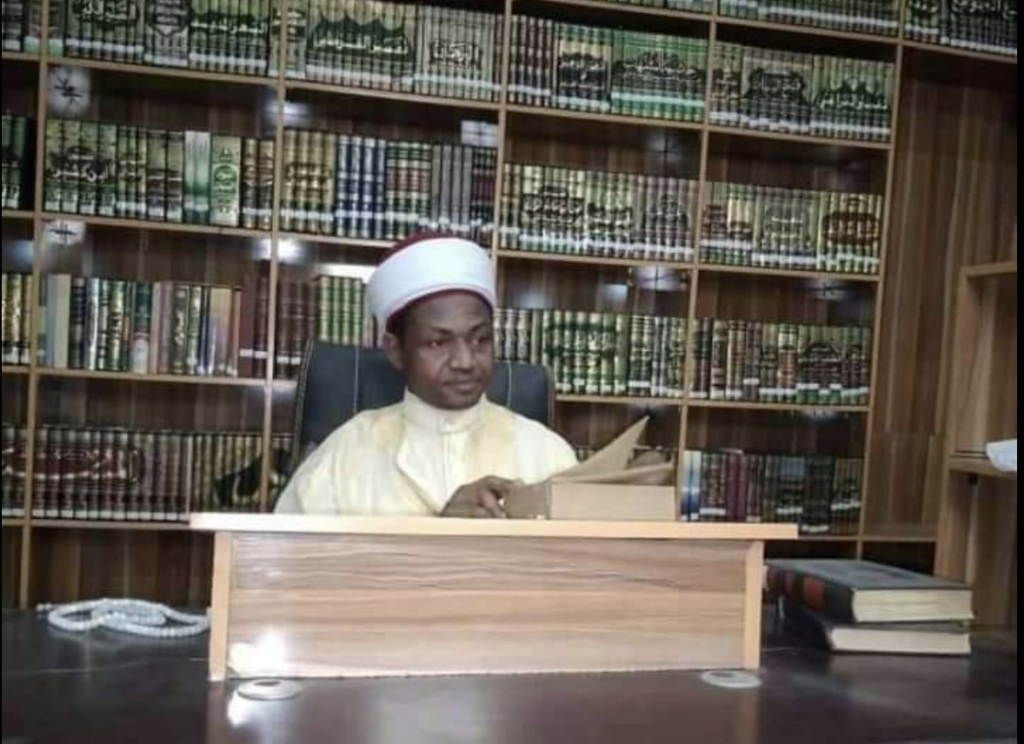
280	523
61	689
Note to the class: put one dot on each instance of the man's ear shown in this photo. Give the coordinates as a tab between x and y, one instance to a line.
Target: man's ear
393	350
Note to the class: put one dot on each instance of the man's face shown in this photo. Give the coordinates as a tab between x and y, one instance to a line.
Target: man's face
446	350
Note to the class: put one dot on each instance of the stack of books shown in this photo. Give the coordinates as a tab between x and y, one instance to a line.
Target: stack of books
862	607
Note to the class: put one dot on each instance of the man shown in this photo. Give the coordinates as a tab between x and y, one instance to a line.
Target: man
445	449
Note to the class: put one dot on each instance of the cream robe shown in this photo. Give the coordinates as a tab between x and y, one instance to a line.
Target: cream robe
409	459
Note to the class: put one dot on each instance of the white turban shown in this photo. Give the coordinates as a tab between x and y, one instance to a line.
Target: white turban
429	266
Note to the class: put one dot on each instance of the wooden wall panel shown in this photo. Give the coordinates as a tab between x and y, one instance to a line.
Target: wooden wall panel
955	202
992	557
75	565
10	568
913	557
15	399
595	426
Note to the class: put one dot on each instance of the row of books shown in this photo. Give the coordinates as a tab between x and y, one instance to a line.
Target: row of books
607	71
784	229
194	34
22	25
822	494
549	209
105	325
402	47
17	320
369	188
794	93
685	6
988	26
597	353
158	175
18	146
127	475
878	18
330	309
756	362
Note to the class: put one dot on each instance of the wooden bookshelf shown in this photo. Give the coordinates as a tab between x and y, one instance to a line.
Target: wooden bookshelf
729	22
991	270
960	221
411	99
776	407
17	215
800	139
979	466
173	73
128	378
978	510
963	54
601	400
595	118
21	58
591	260
821	276
170	227
617	9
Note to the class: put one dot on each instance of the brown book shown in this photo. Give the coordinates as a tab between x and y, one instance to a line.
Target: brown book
183	496
122	474
285	327
151	475
41	508
167	509
262	334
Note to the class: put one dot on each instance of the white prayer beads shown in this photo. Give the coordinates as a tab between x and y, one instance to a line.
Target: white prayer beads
130	616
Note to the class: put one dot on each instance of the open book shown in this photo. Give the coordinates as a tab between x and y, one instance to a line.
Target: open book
602	488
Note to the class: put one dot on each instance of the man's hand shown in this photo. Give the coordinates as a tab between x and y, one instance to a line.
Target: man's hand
480	500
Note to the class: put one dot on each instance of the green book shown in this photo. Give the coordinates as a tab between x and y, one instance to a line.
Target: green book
167	33
175	180
225	181
250	182
156	174
265	185
142	325
106	170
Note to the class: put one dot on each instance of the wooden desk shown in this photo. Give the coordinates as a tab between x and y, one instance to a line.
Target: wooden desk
322	597
107	689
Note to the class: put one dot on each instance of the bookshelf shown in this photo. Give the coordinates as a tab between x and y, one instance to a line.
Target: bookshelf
57	559
978	512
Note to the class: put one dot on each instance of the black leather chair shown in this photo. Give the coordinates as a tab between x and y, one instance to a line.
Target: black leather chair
338	382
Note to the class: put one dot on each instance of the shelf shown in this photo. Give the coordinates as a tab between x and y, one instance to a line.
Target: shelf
13	524
991	271
828	539
591	260
116	222
15	370
77	374
775	407
812	31
901	539
18	215
633	10
799	138
74	524
602	400
949	51
165	72
977	465
21	58
384	95
376	245
789	274
594	118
